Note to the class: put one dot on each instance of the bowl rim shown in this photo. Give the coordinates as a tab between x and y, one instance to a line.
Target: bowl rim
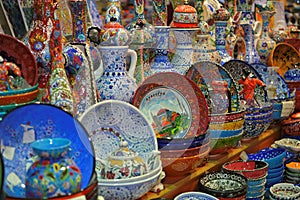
201	193
265	167
273	187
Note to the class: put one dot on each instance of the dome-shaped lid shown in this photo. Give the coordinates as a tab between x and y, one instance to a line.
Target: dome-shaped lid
123	152
221	14
185	16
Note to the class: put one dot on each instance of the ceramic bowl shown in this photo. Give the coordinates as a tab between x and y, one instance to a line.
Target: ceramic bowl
183	165
223	184
258	181
273	181
128	189
194	195
274	157
227	121
18	91
291	126
272	175
254	188
278	169
182	143
221	145
250	169
289	144
19	98
225	133
282	191
293	167
185	152
255	194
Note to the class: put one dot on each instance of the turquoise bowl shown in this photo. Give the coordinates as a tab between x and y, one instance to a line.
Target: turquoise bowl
20	91
53	146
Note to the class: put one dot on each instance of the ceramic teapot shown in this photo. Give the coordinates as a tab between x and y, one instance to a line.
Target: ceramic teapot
125	163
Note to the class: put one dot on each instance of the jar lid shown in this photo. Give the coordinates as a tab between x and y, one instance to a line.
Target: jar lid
185	16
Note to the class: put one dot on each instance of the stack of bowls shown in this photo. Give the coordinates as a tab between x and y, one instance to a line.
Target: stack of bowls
255	171
292	172
224	185
180	156
275	159
282	191
226	130
257	120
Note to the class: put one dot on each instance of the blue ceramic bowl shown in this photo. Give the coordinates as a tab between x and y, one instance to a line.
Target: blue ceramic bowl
276	170
255	182
272	181
53	146
182	143
255	194
272	175
195	195
274	157
255	188
224	133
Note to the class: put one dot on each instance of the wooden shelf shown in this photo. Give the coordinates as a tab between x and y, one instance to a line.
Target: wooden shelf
177	185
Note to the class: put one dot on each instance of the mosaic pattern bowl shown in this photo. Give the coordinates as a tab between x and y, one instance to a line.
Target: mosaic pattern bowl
274	157
285	191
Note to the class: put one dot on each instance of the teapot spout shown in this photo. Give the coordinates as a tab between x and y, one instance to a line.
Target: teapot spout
153	160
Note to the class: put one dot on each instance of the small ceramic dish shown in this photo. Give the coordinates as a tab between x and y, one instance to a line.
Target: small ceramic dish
274	157
195	195
283	191
293	167
289	144
223	184
250	169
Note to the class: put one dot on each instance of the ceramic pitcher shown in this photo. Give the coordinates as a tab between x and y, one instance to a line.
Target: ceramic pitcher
115	82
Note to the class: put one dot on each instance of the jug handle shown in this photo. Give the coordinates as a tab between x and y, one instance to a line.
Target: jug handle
257	27
133	61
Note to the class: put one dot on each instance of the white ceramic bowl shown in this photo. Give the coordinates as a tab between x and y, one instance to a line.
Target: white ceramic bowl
284	191
194	195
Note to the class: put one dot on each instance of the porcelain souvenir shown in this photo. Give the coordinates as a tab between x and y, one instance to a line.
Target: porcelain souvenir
113	10
160	13
54	172
161	61
24	125
186	106
116	82
221	17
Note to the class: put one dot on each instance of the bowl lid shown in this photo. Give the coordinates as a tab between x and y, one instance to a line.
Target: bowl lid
185	16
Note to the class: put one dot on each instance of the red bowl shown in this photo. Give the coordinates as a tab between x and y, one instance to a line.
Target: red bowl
252	169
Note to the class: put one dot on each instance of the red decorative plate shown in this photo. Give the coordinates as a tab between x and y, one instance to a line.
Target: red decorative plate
173	104
17	52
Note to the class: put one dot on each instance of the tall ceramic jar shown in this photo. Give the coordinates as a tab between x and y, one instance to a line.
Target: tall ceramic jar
54	173
79	63
143	40
204	50
161	61
221	17
265	43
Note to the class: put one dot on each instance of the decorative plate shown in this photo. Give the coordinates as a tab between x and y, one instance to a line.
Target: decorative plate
236	67
15	51
173	89
282	89
31	122
203	73
195	196
111	121
284	56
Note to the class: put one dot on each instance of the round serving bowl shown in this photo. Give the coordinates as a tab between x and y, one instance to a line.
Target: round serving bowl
185	152
221	145
258	181
251	169
129	189
182	143
194	195
183	165
285	191
225	133
227	121
293	167
223	184
19	98
274	157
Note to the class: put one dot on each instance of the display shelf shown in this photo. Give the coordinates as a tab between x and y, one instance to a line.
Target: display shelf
177	185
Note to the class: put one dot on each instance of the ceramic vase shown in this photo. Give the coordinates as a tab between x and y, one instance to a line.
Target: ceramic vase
37	39
161	61
143	40
220	34
80	61
60	90
204	50
53	173
183	56
265	44
116	82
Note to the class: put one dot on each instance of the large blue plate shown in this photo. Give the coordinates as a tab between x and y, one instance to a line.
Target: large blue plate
31	122
282	88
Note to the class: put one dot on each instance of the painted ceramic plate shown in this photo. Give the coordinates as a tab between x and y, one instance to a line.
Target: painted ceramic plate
15	51
236	67
284	56
28	123
203	73
282	89
179	96
111	121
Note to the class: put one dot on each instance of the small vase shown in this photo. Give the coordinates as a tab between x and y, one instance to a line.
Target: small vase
116	82
265	44
183	56
161	61
54	173
204	50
